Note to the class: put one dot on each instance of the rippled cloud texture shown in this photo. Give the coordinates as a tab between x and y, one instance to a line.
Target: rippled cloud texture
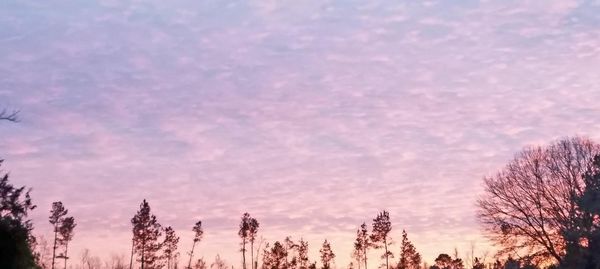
310	115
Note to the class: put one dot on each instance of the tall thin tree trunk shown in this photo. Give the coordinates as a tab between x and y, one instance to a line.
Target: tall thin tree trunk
66	257
252	253
54	248
244	253
131	259
386	255
365	257
191	255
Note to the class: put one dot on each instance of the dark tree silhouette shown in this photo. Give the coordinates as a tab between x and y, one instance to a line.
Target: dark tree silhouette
409	257
244	233
57	216
170	245
531	206
146	233
589	202
9	116
362	244
303	254
66	231
327	255
200	264
274	258
478	264
444	261
16	241
252	232
382	226
290	248
198	233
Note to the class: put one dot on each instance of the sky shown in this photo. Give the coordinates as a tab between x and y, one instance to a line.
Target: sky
310	115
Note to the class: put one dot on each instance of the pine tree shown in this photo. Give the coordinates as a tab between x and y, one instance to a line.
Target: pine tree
146	233
170	245
303	254
362	244
409	257
382	227
66	231
290	247
57	216
327	255
244	233
252	232
15	229
274	258
198	233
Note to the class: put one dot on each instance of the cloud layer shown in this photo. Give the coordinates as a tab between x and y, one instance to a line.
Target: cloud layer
311	115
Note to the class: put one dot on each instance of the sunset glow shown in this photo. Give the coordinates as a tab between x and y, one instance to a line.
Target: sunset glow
313	116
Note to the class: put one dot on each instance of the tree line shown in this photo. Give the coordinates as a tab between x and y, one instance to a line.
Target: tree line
542	210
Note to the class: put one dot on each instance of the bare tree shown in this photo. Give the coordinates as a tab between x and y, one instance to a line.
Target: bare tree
530	207
43	252
9	115
200	264
218	263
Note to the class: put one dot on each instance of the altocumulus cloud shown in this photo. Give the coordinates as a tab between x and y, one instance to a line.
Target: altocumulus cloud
312	116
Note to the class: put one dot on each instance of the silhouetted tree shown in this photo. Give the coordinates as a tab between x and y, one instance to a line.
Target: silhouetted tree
589	202
9	116
478	264
303	254
444	261
357	255
327	255
170	245
511	264
409	257
57	216
382	226
16	240
198	233
146	233
252	232
531	206
274	258
244	233
200	264
362	243
290	249
66	231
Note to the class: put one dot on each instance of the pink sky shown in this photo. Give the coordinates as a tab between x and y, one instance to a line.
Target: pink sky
311	115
